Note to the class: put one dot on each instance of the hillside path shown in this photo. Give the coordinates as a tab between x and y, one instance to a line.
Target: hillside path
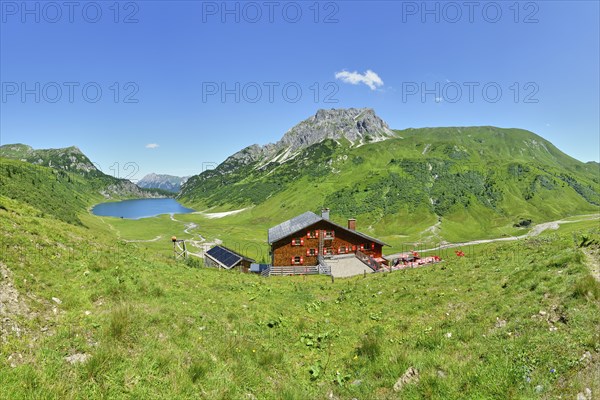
535	231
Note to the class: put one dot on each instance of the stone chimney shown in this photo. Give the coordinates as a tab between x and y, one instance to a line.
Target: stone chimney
325	213
352	224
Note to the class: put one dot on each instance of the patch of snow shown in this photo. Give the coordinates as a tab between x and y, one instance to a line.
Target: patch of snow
221	214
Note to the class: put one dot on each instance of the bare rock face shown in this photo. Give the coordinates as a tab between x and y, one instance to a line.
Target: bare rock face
358	125
355	124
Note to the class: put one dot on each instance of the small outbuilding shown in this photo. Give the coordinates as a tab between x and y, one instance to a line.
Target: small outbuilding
222	257
258	268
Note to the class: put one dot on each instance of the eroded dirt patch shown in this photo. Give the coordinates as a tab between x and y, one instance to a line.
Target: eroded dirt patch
12	306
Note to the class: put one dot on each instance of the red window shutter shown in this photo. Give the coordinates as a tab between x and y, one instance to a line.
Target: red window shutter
301	260
339	250
362	246
292	261
317	234
308	234
353	247
308	252
293	244
302	241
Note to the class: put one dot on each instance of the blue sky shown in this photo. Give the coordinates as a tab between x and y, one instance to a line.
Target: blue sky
185	84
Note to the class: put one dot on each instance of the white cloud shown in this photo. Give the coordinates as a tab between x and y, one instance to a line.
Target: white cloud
152	146
369	78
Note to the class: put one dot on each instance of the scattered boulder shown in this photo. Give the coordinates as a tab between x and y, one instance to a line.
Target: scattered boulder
15	360
411	376
57	300
586	358
77	358
585	395
332	396
500	323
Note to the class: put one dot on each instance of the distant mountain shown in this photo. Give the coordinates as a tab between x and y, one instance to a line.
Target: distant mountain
169	183
60	182
350	161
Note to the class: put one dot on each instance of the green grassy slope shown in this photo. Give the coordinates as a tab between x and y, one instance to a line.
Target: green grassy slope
63	192
479	182
57	193
74	167
497	323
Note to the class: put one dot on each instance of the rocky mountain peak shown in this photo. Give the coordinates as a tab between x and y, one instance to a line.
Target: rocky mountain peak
357	125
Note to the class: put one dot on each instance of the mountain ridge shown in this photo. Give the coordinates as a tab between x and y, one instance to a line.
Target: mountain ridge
354	124
72	160
170	183
484	176
60	182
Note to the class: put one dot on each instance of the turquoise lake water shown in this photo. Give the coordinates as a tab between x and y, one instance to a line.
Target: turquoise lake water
140	208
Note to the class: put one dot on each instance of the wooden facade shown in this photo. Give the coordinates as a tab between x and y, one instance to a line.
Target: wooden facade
322	238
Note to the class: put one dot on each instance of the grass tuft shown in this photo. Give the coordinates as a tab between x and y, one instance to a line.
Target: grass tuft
120	321
370	345
587	287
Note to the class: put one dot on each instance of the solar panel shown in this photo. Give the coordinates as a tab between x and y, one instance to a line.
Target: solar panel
224	256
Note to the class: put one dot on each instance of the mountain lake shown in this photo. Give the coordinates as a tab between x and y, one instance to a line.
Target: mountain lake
139	208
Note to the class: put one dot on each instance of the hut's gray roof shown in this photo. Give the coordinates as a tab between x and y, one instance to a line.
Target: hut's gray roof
303	221
293	225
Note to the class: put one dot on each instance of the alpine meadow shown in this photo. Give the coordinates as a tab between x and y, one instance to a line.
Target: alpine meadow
94	307
300	200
